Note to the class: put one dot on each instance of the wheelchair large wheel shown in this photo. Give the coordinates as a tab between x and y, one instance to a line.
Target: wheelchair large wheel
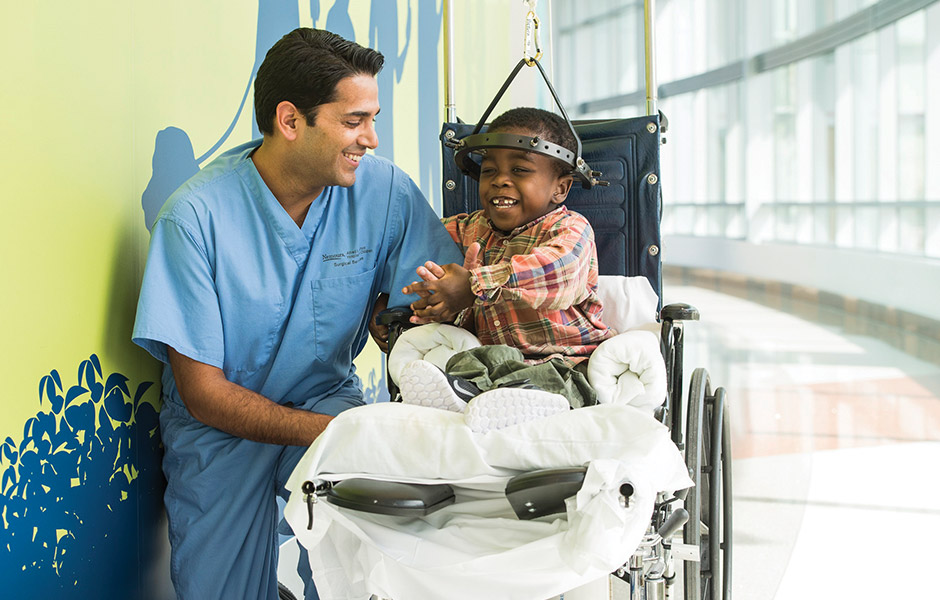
708	456
283	593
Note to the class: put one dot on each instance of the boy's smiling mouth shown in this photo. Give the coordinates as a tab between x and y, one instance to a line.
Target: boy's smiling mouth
503	202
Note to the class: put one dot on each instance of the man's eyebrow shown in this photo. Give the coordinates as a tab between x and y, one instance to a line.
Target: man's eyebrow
361	114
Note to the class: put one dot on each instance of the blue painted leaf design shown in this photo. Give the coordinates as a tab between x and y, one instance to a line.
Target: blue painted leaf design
74	392
55	376
55	399
97	363
105	429
81	416
9	477
28	428
141	390
10	452
116	380
117	408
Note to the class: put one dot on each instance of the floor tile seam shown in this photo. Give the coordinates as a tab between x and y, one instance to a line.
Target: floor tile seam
828	436
836	505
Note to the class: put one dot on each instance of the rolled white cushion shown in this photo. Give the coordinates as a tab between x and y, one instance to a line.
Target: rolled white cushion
435	343
629	369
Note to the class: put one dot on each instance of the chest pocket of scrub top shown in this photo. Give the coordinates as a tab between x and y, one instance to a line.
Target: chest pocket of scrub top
339	307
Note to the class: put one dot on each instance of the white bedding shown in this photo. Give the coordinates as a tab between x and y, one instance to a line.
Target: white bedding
476	548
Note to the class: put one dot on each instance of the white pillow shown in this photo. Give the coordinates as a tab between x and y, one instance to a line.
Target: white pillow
629	302
434	342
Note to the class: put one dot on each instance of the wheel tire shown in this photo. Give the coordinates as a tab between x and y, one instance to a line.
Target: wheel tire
708	455
283	593
695	459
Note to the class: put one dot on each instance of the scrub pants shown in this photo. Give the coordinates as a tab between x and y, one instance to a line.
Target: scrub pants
222	508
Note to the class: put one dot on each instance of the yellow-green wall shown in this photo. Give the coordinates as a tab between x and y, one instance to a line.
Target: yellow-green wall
86	89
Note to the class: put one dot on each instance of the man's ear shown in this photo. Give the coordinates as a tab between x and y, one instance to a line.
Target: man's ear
288	120
562	187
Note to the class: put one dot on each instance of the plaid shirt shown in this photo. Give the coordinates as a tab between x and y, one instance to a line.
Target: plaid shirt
537	288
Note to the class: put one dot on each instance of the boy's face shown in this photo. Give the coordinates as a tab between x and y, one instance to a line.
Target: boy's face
517	187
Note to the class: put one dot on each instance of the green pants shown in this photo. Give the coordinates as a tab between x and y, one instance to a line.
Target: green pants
490	367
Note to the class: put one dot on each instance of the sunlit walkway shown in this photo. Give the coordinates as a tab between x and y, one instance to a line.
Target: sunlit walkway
837	492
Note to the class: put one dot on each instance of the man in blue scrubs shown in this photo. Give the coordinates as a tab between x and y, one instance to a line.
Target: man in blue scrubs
262	273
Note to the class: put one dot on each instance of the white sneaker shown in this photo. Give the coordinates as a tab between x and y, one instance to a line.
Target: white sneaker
508	406
424	384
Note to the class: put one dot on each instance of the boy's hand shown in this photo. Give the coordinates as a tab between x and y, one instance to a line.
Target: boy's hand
431	271
442	299
443	293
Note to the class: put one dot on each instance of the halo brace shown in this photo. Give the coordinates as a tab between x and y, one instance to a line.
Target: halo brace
478	143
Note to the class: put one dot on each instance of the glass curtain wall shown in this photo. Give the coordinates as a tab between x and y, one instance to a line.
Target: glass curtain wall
791	121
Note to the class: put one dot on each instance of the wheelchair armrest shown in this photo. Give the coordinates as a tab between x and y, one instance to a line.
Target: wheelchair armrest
395	315
390	497
543	492
679	312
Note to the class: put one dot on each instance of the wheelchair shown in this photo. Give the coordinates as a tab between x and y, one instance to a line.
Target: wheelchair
624	209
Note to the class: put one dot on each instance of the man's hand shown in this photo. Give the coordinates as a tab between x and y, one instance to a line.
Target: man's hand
379	332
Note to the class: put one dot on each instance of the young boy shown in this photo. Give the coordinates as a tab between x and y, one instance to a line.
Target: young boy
527	288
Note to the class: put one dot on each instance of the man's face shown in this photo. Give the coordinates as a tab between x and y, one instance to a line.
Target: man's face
330	150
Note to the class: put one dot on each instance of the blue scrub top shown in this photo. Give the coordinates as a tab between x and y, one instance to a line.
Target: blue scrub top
231	281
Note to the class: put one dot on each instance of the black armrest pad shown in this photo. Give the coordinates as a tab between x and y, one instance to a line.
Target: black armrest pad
543	492
679	312
390	497
394	315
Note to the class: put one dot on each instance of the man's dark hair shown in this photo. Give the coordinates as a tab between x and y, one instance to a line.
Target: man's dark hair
541	123
303	67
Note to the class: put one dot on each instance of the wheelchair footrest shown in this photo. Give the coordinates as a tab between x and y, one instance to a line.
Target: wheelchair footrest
543	492
390	497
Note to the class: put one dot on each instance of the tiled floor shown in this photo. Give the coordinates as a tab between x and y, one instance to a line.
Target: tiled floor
836	454
836	445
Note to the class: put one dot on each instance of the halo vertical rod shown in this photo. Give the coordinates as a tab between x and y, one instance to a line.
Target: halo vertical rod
649	18
450	107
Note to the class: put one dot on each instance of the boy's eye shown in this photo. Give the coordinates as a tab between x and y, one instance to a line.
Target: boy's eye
353	123
487	171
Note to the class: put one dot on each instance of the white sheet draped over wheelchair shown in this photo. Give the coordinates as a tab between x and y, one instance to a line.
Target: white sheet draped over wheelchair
477	547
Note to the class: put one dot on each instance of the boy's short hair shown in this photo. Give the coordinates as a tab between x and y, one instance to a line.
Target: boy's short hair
541	123
303	68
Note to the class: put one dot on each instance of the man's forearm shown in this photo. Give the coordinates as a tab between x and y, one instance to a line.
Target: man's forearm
249	415
214	400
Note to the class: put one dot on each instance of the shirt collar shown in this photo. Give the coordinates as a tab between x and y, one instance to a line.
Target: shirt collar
530	224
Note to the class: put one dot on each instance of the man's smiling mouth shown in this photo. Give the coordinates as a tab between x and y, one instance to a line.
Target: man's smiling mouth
353	157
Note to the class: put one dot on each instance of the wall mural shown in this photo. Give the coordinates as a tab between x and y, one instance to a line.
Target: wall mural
74	488
81	490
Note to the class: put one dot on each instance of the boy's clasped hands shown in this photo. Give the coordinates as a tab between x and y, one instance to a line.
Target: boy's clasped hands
444	290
